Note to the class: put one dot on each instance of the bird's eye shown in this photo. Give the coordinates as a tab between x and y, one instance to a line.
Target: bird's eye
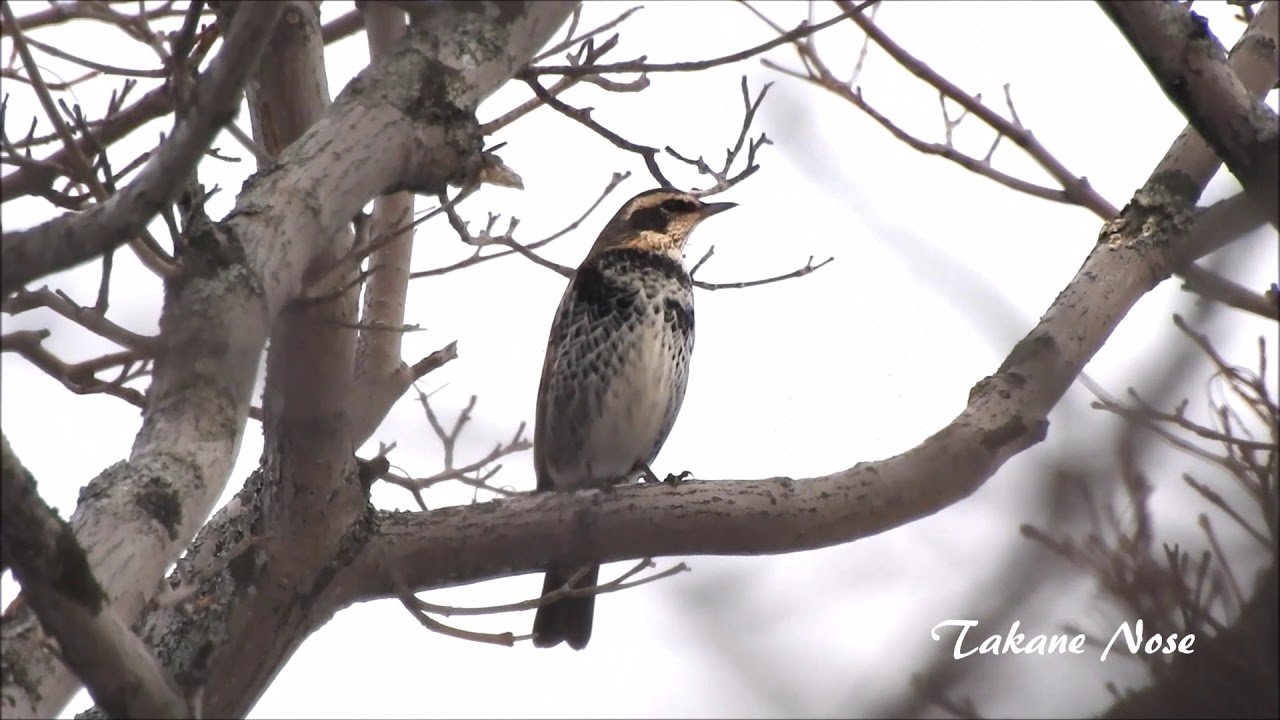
677	205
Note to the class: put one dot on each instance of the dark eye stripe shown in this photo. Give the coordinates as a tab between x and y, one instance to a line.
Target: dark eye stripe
650	218
678	205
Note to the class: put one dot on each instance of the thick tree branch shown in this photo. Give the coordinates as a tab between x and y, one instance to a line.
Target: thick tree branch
309	368
71	239
1190	65
406	122
117	668
1006	414
1219	225
381	375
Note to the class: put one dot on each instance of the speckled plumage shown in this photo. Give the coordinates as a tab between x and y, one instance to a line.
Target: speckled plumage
617	367
615	371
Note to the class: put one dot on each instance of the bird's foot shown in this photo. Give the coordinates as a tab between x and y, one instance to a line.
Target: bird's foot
676	479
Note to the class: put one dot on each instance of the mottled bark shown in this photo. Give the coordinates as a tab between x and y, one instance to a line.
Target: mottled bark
406	122
1191	67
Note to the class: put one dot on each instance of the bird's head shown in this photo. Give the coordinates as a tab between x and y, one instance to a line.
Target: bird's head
658	220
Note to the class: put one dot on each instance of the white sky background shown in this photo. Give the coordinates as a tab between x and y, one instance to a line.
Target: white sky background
859	361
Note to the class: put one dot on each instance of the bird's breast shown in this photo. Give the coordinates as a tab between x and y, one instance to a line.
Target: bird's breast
618	378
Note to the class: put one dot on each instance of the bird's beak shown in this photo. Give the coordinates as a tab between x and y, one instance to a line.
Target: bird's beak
709	209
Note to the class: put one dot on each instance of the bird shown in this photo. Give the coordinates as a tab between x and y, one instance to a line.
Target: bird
614	374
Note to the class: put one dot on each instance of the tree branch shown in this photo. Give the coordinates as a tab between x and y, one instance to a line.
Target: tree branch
1254	60
71	239
36	177
1190	66
381	375
116	667
59	13
1219	225
1006	414
405	122
640	66
1215	287
1074	187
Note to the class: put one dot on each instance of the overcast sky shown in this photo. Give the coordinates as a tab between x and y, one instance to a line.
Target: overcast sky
937	273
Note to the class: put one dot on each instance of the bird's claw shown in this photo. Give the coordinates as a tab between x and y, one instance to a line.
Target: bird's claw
676	479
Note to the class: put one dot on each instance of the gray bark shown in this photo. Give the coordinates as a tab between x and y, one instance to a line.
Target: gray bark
406	122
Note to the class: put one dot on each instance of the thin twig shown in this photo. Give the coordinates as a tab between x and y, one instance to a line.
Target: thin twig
477	258
616	585
637	66
808	268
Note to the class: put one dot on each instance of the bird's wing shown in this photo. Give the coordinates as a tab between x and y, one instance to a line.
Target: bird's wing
554	342
678	317
584	331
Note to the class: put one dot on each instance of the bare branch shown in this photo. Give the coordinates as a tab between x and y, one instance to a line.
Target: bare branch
721	176
97	66
1147	414
61	12
332	283
81	170
1190	65
11	74
88	318
640	66
72	239
80	378
116	667
515	247
348	23
469	474
420	609
1215	287
382	133
475	474
411	604
583	116
1253	59
79	162
650	154
1076	188
1220	224
380	376
587	53
1216	500
571	39
808	268
622	582
35	177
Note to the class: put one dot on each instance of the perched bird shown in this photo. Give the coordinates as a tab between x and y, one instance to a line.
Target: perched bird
615	372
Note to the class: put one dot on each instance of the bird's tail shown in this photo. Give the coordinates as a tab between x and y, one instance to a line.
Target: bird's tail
567	619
